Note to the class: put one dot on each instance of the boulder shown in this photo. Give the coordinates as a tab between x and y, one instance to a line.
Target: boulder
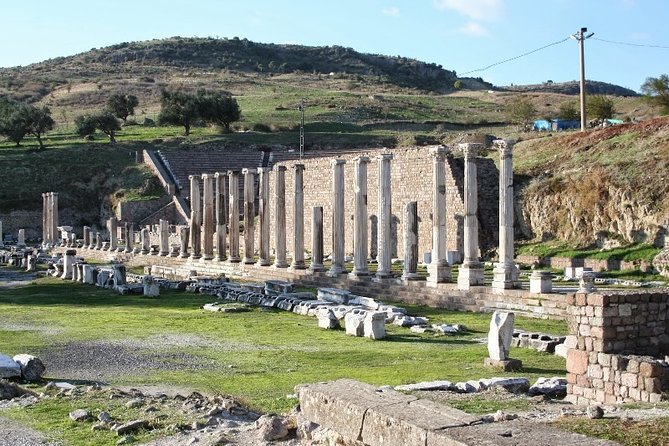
80	415
9	368
554	387
271	427
32	368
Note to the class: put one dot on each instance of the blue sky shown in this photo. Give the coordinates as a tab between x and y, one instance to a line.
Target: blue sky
461	35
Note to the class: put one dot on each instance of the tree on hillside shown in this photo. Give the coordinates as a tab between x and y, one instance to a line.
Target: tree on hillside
569	111
18	120
105	122
122	105
600	107
179	108
521	111
656	90
218	108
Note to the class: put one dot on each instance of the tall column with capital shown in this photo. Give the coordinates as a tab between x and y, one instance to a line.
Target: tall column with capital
207	216
195	217
45	218
438	270
263	215
317	239
471	271
298	218
280	217
233	189
505	273
249	215
221	199
360	217
385	217
338	219
411	241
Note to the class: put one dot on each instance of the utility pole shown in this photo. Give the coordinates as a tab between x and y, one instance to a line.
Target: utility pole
301	108
581	36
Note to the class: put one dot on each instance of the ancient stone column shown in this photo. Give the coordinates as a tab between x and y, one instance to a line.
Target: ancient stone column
98	241
221	193
195	237
338	218
249	215
233	187
280	217
146	241
263	215
385	217
317	239
2	237
505	273
411	241
129	237
184	233
113	234
54	217
207	216
68	262
471	271
87	237
438	270
360	218
196	216
21	242
164	238
45	219
298	218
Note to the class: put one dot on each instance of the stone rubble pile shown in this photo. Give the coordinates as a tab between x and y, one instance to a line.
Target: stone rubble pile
541	342
554	387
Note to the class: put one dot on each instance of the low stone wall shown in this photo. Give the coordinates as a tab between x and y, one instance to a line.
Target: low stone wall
444	295
595	264
621	340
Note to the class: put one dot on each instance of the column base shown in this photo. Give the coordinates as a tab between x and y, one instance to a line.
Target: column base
317	268
384	275
247	261
208	257
470	274
234	259
298	265
410	276
280	264
438	273
505	277
358	273
506	365
184	255
195	257
336	271
263	262
220	259
163	253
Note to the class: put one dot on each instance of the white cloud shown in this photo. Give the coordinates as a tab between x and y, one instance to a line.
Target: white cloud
488	10
473	29
393	11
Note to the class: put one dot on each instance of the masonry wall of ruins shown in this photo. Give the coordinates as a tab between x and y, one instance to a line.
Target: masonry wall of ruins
411	180
620	343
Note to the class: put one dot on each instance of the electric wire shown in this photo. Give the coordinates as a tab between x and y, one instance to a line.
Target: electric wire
632	44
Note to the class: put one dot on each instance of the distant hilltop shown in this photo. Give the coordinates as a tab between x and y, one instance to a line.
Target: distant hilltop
573	88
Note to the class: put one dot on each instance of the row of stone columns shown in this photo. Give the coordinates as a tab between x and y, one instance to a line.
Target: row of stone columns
50	218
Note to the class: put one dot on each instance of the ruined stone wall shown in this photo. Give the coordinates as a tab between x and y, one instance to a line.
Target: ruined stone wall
621	340
136	211
411	176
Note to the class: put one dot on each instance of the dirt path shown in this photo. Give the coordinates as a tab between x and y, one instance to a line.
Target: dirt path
14	434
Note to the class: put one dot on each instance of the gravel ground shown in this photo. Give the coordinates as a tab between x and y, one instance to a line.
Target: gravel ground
14	434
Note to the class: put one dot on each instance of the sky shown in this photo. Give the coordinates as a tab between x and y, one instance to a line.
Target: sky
460	35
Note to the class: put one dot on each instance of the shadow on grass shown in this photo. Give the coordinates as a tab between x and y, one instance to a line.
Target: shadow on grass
391	337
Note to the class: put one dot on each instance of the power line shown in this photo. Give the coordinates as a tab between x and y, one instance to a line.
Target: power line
632	44
516	57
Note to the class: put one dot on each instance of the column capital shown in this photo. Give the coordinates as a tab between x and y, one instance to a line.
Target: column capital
298	166
470	150
193	177
338	161
385	156
439	152
505	147
247	171
361	159
219	174
264	170
233	172
207	176
280	168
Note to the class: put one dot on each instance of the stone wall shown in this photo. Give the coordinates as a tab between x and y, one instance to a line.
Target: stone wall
620	342
595	264
136	211
411	176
